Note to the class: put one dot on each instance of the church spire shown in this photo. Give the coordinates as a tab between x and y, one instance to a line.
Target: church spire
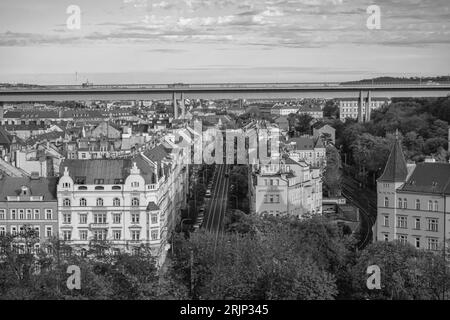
396	169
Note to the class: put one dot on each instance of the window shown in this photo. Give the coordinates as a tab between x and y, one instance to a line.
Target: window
67	218
2	231
66	185
13	213
433	225
29	214
48	231
430	205
386	202
99	181
100	234
99	202
135	202
80	180
83	218
66	202
400	203
36	214
21	214
67	235
386	221
116	218
116	202
154	218
417	204
436	206
135	184
417	224
118	181
135	235
48	214
403	238
83	234
2	215
405	203
432	244
99	188
117	234
417	241
13	230
100	218
402	222
155	234
135	218
83	202
38	231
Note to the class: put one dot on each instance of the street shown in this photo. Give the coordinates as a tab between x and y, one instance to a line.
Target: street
217	204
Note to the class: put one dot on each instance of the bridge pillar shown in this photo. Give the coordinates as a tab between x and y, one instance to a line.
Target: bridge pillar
368	106
175	106
360	107
183	108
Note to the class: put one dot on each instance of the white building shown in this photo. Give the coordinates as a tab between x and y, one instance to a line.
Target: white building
348	108
307	148
288	188
129	202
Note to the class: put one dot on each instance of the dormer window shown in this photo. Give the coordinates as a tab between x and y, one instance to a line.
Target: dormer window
135	184
66	185
25	191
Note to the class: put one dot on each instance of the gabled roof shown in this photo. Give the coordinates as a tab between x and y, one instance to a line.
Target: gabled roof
429	178
396	168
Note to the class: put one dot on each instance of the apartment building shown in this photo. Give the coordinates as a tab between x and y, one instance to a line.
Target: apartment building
28	202
288	188
348	108
306	148
129	202
413	202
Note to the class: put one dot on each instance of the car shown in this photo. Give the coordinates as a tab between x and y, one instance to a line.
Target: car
208	194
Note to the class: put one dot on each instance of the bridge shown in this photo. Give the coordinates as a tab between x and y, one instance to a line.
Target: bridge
179	92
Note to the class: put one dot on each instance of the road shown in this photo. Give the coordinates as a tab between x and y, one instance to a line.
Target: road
217	205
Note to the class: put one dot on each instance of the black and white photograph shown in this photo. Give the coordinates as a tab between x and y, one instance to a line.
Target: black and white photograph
220	156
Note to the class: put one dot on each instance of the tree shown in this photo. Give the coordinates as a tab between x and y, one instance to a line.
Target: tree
406	273
332	174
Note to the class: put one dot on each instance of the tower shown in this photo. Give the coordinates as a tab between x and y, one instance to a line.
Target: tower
394	176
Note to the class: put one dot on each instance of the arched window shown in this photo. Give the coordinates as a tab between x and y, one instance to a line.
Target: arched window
417	204
400	203
83	202
436	206
99	202
386	202
405	203
135	202
430	205
116	202
66	202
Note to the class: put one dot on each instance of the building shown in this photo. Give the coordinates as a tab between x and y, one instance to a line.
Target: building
349	108
314	111
413	202
288	188
324	131
129	202
28	202
307	148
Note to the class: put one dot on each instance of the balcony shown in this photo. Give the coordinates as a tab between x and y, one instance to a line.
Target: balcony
98	225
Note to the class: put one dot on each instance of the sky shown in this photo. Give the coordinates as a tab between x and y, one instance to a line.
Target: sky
210	41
